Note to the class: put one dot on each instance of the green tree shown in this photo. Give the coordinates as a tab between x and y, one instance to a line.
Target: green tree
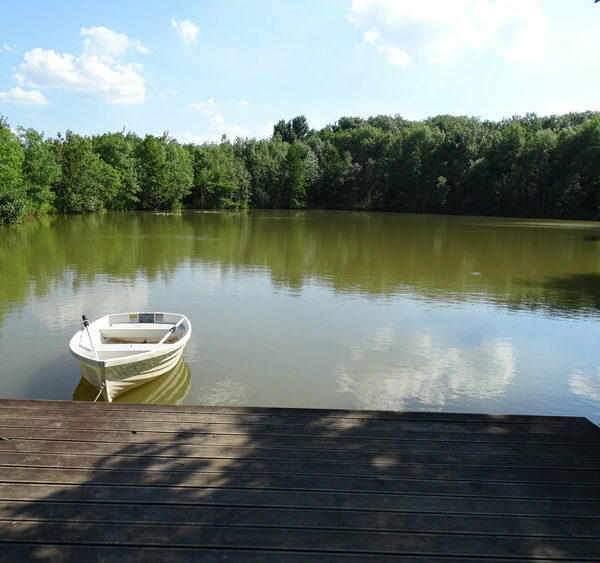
266	164
300	127
119	150
292	130
460	146
302	170
221	180
41	171
166	173
12	192
526	165
87	182
416	170
345	123
369	147
337	174
576	189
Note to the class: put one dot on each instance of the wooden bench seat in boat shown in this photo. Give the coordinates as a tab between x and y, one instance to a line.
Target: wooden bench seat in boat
119	329
125	347
133	334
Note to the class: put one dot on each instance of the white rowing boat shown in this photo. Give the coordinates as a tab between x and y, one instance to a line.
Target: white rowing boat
124	350
170	388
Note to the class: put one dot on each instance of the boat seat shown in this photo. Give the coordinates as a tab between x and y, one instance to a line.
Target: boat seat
140	326
134	334
125	347
133	329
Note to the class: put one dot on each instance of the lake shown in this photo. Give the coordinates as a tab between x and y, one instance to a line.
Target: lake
318	308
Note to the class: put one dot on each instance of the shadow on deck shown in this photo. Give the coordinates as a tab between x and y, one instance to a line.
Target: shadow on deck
94	482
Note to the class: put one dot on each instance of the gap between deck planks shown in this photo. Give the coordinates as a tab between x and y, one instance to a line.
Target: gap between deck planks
227	483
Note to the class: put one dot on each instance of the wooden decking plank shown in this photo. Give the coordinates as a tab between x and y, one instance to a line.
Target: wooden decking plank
296	443
100	482
170	475
538	434
166	554
175	463
211	496
312	427
342	438
313	518
372	423
243	480
255	450
307	539
67	406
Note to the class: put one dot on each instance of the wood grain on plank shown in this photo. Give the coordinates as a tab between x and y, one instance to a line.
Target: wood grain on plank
105	482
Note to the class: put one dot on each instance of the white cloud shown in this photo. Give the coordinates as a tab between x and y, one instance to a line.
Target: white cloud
189	138
371	36
217	124
243	103
105	42
390	373
316	121
232	131
563	107
218	128
267	129
99	72
208	106
6	48
169	93
395	56
17	95
439	30
186	30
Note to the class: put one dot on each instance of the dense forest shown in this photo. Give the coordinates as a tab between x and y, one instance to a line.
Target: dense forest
528	166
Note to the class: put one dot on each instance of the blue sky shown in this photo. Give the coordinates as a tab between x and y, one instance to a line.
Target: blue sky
202	68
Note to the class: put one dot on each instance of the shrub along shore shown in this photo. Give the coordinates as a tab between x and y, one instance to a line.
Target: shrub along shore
530	166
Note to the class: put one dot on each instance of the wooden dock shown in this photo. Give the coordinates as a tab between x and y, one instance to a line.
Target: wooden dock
96	482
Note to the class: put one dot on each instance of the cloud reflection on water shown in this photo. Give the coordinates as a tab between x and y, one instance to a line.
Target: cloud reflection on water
225	392
93	299
585	384
389	371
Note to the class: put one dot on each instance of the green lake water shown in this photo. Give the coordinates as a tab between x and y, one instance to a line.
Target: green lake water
318	309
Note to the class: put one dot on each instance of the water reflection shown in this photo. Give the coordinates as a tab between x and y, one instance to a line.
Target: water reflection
552	267
225	392
94	300
390	372
169	388
585	384
280	299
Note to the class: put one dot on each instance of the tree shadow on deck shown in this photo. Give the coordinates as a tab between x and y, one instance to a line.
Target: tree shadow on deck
133	483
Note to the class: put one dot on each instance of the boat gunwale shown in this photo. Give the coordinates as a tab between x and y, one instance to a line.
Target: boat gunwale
156	351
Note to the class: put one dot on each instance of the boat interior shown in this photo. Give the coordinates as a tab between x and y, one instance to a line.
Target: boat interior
126	334
136	334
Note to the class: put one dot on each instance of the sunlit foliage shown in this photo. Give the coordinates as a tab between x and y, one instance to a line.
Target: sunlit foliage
531	166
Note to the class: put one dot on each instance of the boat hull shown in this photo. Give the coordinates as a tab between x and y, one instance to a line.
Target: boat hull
122	377
169	388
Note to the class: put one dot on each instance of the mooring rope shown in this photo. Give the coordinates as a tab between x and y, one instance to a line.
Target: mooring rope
100	392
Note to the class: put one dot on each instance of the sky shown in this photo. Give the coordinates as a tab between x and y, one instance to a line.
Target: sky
203	68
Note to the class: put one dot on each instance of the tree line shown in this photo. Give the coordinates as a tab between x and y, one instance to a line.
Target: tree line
531	166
